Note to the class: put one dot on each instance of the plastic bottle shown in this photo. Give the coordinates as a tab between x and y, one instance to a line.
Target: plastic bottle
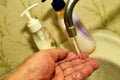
41	36
58	6
85	42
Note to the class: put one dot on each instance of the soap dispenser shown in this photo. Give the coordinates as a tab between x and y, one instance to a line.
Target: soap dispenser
85	42
41	36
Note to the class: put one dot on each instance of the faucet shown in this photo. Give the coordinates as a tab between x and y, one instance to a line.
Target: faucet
77	34
80	37
68	18
70	27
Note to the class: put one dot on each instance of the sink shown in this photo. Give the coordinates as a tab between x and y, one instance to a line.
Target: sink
107	53
107	71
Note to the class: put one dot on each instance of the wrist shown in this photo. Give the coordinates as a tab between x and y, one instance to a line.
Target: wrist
19	74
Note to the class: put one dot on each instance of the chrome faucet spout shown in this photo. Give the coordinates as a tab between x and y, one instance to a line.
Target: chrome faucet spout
70	28
76	30
68	18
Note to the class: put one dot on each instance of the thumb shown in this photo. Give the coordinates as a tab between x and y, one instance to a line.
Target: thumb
58	74
57	54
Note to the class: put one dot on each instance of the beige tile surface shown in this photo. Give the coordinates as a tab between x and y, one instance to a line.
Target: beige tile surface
15	40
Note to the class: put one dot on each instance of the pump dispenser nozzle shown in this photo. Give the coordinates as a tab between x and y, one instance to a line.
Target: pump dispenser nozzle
33	24
27	13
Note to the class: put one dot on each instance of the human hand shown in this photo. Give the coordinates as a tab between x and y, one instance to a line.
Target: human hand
74	68
54	64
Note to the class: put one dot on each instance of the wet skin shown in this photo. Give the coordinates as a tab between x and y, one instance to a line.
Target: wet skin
54	64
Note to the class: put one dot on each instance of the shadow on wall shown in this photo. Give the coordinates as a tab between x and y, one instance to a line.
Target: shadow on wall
114	14
109	18
30	39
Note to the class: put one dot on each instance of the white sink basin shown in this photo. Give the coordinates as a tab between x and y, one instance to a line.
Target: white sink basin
107	52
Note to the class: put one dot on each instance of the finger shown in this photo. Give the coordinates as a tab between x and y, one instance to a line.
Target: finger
58	74
70	78
71	56
79	68
84	55
71	64
65	65
81	74
86	71
57	54
76	62
93	63
69	71
75	76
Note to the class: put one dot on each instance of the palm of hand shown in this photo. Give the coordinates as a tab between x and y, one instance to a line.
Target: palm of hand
69	68
73	68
